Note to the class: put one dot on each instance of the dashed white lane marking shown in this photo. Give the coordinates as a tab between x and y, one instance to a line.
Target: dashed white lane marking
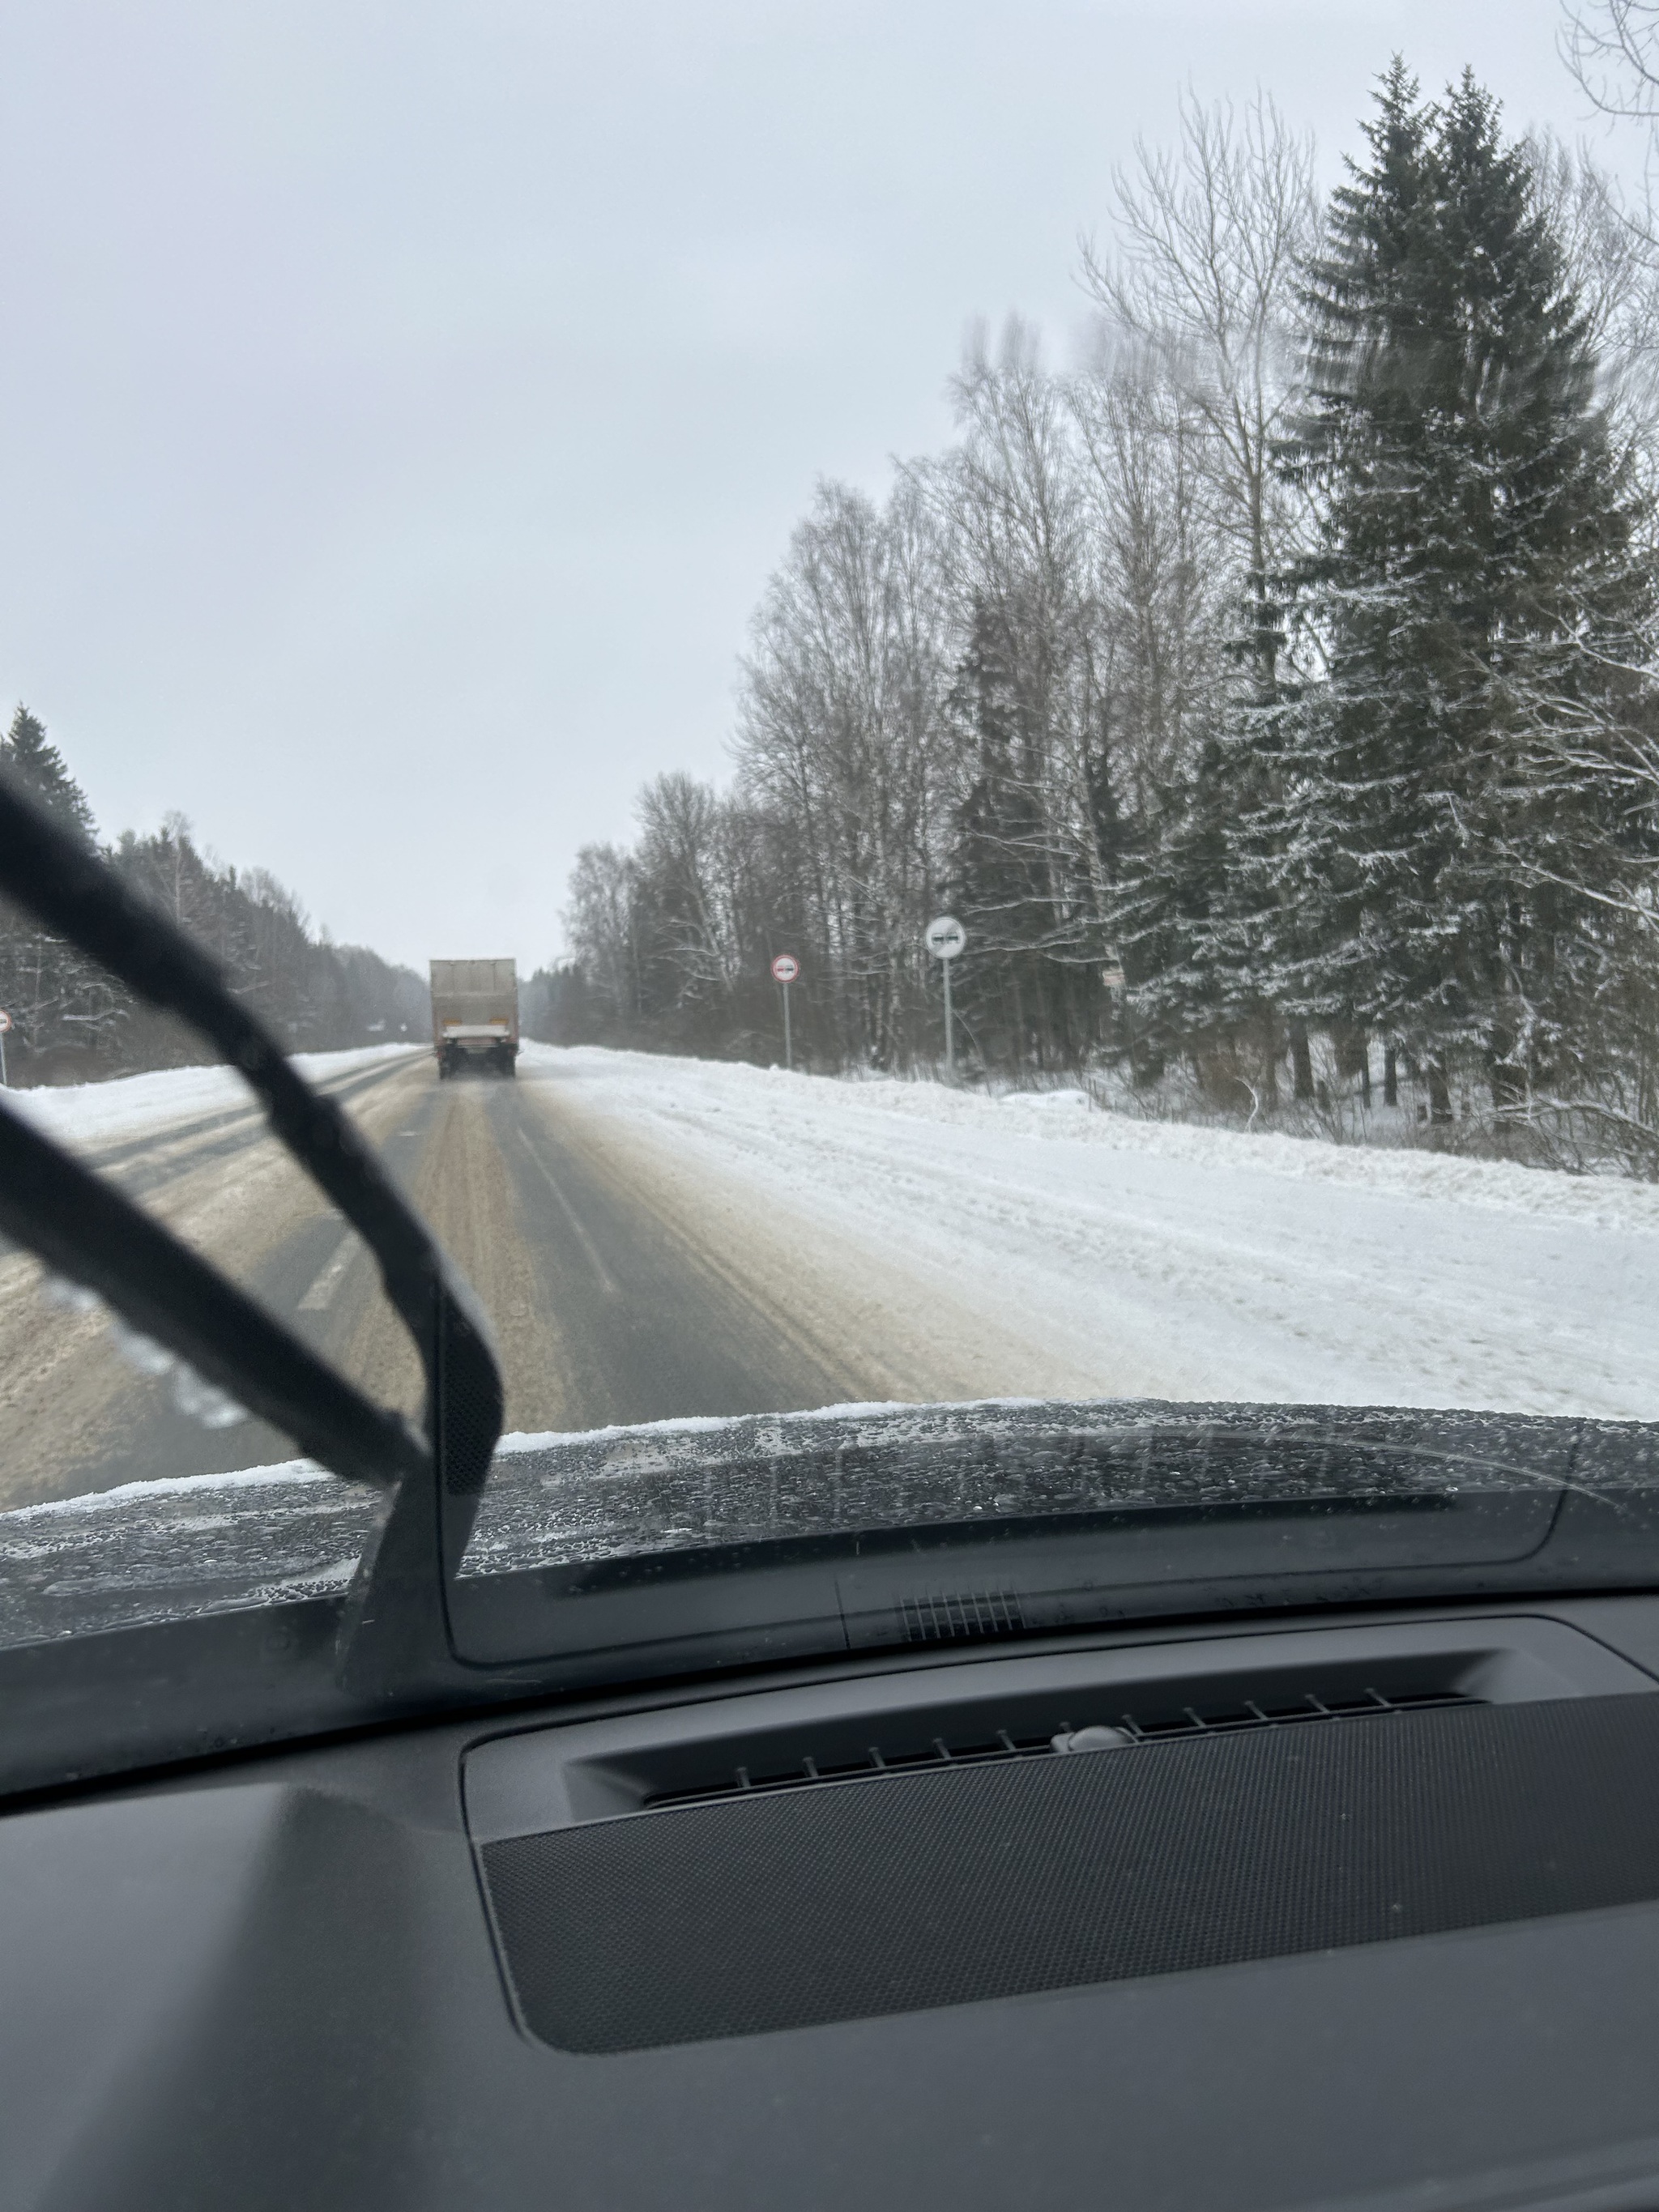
606	1285
321	1293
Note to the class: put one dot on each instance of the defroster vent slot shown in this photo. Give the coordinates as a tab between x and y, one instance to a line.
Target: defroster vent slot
960	1617
959	1748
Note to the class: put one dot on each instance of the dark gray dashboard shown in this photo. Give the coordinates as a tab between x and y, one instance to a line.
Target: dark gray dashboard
290	1981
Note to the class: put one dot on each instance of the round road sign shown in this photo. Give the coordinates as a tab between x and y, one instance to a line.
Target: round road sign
944	937
786	968
5	1024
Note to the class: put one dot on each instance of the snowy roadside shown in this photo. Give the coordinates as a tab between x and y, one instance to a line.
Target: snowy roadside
1170	1261
1069	1115
89	1113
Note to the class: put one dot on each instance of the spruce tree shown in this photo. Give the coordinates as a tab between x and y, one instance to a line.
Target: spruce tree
56	997
31	757
1167	919
1211	927
1475	556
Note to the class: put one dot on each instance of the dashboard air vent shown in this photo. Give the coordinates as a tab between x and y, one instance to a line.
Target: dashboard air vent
1119	1729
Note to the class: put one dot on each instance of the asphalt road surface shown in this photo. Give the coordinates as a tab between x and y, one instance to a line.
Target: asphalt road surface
623	1287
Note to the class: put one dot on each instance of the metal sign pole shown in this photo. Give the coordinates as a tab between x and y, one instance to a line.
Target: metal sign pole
944	938
785	968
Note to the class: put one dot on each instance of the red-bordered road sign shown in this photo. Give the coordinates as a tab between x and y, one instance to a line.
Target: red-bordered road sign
784	968
5	1023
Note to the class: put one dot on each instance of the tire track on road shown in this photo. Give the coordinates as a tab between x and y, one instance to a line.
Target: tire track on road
892	1327
625	1280
654	1323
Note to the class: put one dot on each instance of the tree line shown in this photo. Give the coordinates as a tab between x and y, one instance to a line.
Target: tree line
1270	697
73	1023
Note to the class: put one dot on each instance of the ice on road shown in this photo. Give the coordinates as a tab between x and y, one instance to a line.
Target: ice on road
1157	1261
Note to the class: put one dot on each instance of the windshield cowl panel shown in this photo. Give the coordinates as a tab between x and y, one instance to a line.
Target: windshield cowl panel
669	1487
644	1508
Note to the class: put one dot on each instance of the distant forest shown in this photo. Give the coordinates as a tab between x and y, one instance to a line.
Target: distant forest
73	1023
1272	698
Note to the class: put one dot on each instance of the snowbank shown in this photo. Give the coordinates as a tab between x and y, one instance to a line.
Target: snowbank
1070	1117
1610	1201
92	1113
1162	1261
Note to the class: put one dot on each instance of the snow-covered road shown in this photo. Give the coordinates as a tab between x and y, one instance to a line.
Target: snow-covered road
655	1238
1146	1260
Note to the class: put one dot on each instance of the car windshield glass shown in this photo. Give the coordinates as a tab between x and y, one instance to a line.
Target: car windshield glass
948	748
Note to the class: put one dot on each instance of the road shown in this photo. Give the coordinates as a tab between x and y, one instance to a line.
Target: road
654	1238
623	1286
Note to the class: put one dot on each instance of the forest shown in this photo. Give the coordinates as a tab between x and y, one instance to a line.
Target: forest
74	1023
1270	695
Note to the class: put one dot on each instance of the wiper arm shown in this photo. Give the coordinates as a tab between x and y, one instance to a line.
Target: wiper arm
82	1228
395	1633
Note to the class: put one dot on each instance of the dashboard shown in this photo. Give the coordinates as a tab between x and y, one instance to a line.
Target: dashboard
1349	1909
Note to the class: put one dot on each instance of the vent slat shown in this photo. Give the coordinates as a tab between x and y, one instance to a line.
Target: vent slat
807	1770
959	1616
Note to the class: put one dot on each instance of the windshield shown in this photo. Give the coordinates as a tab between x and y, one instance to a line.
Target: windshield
951	748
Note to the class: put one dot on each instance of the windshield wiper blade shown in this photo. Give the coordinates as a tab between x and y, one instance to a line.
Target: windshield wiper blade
84	1228
395	1637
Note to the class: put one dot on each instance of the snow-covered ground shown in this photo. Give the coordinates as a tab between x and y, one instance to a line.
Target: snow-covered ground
1180	1262
95	1113
1149	1259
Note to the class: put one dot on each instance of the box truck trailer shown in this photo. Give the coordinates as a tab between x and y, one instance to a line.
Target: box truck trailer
475	1016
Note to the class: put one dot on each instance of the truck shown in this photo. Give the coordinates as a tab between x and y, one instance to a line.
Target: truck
475	1016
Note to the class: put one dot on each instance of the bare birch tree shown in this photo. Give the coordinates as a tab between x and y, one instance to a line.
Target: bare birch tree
1203	268
841	729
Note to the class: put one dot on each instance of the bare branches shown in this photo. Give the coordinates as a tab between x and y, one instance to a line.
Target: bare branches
1168	581
1611	47
1203	272
1610	264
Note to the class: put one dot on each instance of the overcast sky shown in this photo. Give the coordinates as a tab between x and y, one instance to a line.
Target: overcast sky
403	405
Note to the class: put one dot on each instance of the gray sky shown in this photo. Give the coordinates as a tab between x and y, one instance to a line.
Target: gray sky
402	405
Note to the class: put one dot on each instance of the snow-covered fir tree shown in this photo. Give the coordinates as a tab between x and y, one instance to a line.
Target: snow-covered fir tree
1476	564
28	754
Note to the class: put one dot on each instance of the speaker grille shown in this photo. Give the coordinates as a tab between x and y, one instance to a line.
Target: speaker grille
946	1885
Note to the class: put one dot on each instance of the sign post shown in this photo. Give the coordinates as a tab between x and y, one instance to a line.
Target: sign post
5	1024
785	968
944	938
